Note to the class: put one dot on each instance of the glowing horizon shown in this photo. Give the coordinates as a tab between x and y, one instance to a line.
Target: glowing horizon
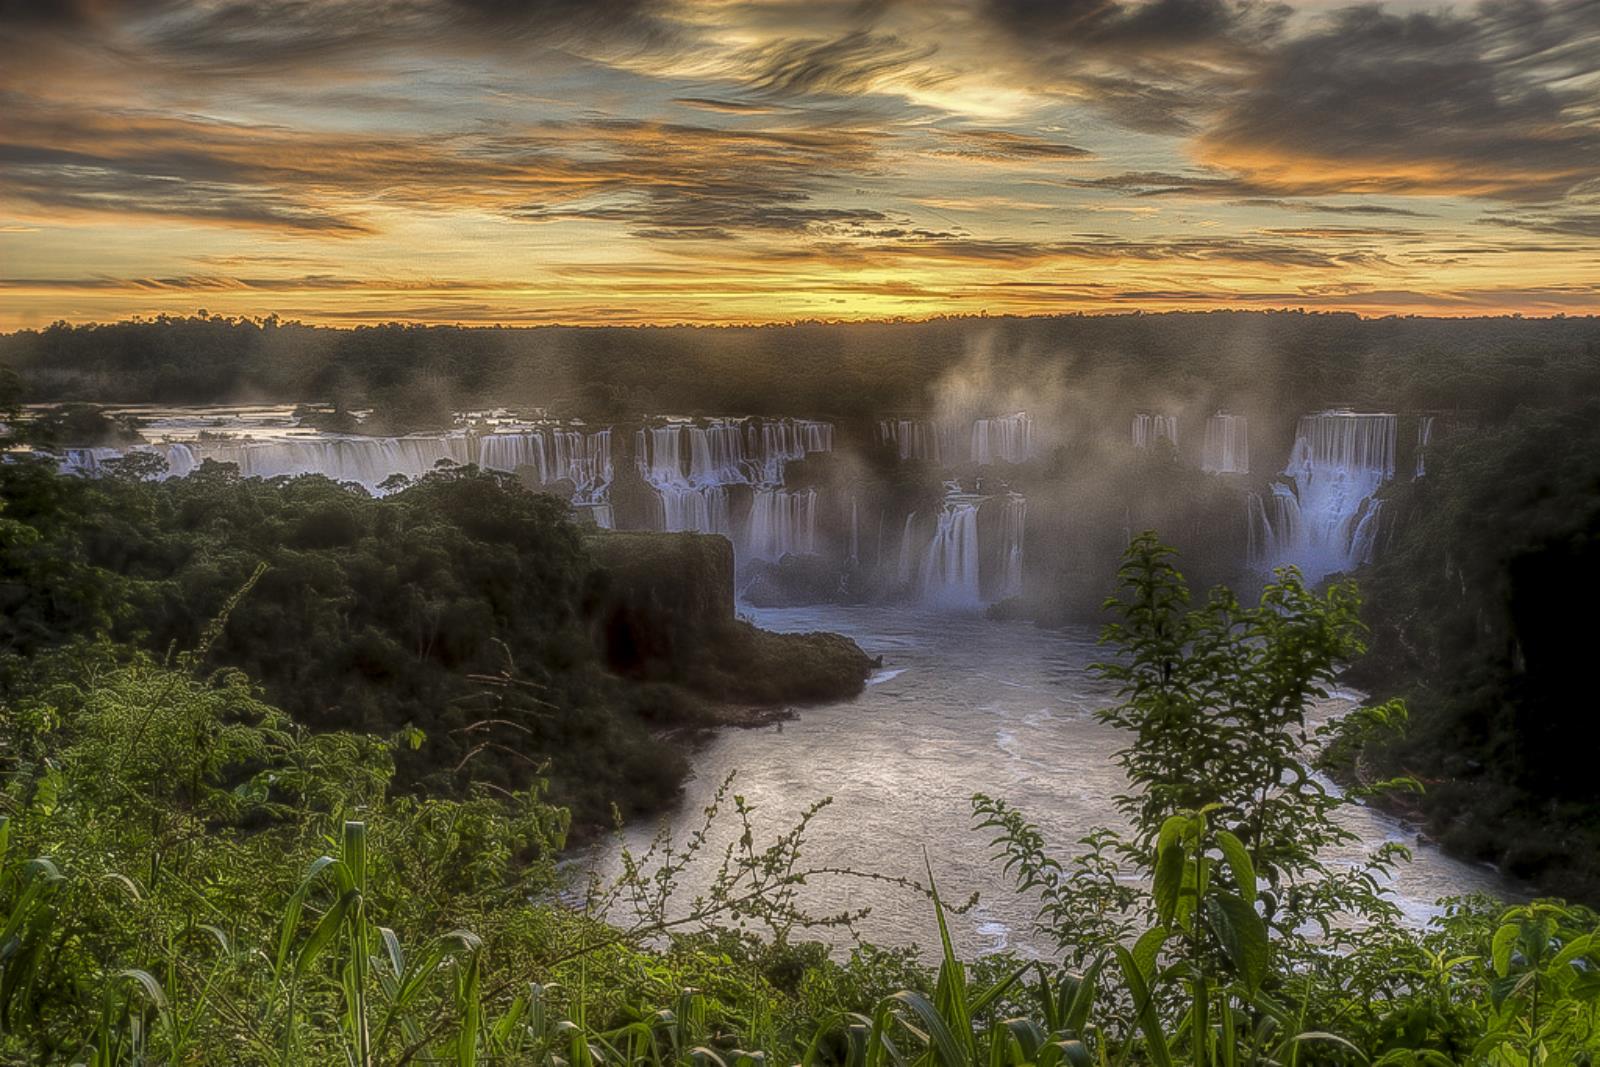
662	162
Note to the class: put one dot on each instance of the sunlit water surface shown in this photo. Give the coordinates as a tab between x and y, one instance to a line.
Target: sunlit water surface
961	705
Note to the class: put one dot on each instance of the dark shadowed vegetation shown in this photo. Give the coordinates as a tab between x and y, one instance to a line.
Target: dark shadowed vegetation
463	613
1479	607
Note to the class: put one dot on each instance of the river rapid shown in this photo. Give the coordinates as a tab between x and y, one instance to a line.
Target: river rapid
961	705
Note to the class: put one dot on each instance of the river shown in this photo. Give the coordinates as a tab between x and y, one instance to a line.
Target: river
962	704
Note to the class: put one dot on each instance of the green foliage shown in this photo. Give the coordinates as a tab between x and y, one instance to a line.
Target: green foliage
1228	821
187	875
1235	941
465	609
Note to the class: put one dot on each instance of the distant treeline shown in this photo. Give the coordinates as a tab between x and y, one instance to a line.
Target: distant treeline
417	374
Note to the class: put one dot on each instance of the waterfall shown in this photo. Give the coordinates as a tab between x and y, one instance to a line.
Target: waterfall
716	454
180	457
950	568
556	455
780	440
1007	439
1424	439
782	523
906	567
1324	515
1013	519
658	457
1258	530
695	509
915	439
1227	449
1148	429
583	459
685	507
89	461
511	451
693	485
367	461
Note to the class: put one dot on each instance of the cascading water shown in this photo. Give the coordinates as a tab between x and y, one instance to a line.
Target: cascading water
1007	439
1424	439
512	451
583	459
782	522
1148	429
92	461
915	439
657	456
906	566
1323	515
696	509
693	487
1013	519
1227	448
367	461
716	454
556	455
950	568
685	507
780	440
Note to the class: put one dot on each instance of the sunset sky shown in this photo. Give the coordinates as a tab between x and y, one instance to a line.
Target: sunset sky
587	161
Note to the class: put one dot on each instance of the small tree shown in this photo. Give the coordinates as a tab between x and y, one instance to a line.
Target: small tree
1229	822
1221	702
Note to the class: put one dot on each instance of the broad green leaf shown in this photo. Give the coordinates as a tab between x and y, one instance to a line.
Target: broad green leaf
1500	948
1147	948
1168	881
1243	936
324	932
1238	857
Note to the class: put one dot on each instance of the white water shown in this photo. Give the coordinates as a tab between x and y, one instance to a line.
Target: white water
716	454
1323	516
367	461
950	566
1013	520
916	439
962	705
692	467
691	500
1424	439
1148	429
267	442
1007	439
782	522
1001	439
1227	448
782	440
554	455
906	562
